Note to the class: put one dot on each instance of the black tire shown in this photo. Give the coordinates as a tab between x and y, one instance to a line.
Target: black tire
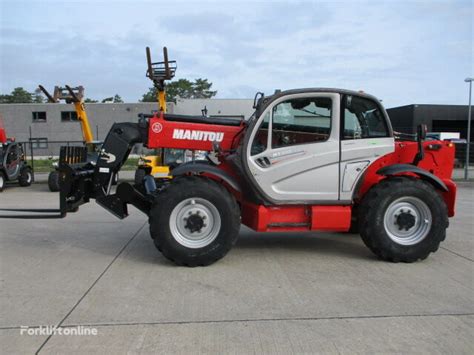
26	176
376	206
139	175
2	181
53	181
204	189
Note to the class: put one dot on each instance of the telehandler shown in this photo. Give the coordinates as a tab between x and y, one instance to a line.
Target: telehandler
13	165
74	95
307	160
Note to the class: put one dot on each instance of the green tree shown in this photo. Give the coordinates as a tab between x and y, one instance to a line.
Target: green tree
150	96
202	89
117	99
38	96
184	88
90	101
17	96
5	99
21	96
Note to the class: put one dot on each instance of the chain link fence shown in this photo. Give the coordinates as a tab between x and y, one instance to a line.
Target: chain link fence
41	153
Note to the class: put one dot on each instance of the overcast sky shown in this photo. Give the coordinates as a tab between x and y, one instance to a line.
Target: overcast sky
403	52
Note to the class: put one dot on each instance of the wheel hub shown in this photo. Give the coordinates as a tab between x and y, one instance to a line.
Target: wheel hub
405	220
194	222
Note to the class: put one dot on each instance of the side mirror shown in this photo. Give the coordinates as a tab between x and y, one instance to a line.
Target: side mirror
420	137
421	131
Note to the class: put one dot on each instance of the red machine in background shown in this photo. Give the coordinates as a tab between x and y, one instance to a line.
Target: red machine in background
13	165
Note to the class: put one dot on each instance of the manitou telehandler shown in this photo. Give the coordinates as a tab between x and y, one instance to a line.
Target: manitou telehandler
307	160
13	165
75	96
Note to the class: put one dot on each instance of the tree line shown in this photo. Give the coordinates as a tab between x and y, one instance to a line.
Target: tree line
182	88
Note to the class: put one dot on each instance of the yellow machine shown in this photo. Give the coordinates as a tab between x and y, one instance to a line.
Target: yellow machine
159	165
156	165
74	96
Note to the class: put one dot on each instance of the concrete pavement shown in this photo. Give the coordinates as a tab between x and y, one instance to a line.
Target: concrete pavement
273	293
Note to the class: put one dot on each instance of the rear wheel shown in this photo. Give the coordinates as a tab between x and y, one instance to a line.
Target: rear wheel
2	181
26	177
195	221
53	181
403	219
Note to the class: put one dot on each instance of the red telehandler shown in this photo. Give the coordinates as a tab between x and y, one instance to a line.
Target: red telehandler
307	160
13	164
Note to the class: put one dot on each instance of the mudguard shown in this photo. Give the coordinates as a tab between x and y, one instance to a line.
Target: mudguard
206	168
408	168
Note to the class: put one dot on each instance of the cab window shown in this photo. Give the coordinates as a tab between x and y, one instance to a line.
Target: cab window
12	155
301	121
363	119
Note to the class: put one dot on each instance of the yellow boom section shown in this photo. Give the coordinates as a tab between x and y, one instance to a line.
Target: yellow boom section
82	117
161	96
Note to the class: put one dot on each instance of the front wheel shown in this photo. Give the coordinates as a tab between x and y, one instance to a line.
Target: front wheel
2	181
53	181
26	177
403	219
195	221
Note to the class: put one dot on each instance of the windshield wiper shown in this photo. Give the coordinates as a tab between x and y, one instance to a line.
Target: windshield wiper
314	113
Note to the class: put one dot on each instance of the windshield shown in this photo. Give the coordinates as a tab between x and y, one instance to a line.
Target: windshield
174	156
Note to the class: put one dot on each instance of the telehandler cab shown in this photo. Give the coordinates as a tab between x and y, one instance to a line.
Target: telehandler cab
307	160
13	165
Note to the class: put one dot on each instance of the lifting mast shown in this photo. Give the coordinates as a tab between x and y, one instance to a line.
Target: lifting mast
75	96
158	72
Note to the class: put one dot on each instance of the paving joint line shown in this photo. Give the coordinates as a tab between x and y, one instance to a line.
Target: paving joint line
218	321
461	256
93	284
382	316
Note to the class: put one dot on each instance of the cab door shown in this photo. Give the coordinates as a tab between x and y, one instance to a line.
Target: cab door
12	161
293	151
366	135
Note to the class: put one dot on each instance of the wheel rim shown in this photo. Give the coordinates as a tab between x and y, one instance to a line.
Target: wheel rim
28	177
407	220
1	181
195	223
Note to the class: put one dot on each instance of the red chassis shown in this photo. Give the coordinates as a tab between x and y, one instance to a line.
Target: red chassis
438	161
